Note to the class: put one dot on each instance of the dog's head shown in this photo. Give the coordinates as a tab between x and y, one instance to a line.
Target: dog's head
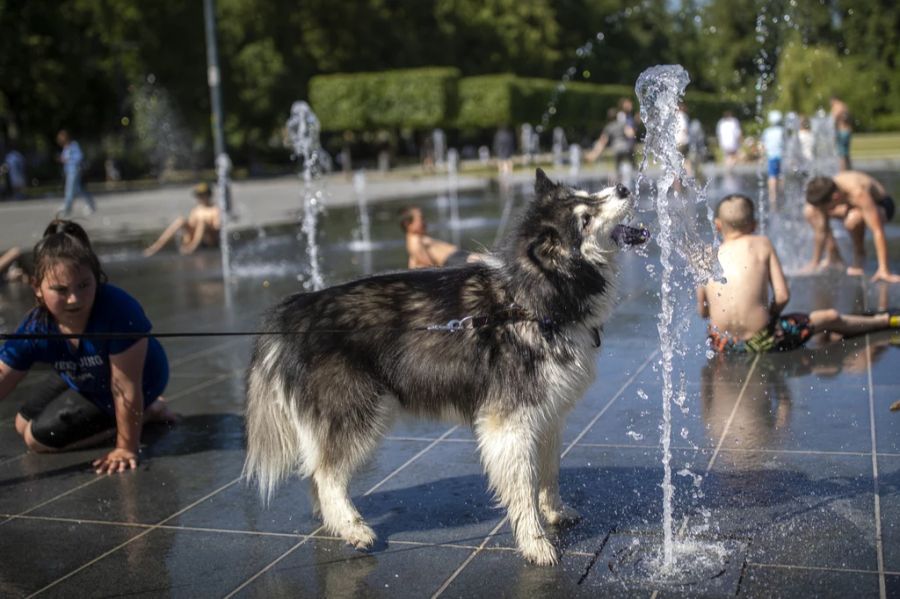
566	230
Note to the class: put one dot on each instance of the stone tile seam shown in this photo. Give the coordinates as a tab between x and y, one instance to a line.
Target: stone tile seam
396	471
132	539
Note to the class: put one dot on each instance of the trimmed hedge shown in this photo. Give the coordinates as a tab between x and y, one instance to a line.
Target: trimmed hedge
708	107
439	97
417	98
488	101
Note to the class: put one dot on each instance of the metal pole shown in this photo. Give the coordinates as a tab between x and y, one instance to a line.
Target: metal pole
223	164
212	77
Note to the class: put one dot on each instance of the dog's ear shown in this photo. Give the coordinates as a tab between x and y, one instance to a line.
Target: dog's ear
543	186
546	251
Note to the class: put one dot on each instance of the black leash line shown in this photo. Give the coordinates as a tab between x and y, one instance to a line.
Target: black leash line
511	315
451	327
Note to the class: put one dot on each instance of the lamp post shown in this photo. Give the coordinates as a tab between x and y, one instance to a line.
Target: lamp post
222	162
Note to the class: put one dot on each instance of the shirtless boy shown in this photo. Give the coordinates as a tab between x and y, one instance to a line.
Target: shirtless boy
426	252
860	202
201	227
743	315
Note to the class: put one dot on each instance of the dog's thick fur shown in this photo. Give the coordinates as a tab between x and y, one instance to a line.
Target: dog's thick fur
318	403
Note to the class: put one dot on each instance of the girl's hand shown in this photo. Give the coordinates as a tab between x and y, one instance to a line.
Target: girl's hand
118	460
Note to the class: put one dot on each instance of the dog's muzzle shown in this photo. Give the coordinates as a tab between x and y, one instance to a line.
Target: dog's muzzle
624	234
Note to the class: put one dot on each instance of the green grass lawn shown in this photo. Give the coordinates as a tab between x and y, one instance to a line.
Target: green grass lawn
875	145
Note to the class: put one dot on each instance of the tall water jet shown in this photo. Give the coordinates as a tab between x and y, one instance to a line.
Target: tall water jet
223	199
303	131
763	79
574	161
363	242
453	192
824	150
659	90
439	142
559	146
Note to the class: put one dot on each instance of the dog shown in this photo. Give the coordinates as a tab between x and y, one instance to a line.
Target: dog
507	345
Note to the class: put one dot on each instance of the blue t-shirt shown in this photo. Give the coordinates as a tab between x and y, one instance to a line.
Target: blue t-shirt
86	368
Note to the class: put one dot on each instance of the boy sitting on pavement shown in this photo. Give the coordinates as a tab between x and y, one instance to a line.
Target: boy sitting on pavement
860	202
201	226
742	317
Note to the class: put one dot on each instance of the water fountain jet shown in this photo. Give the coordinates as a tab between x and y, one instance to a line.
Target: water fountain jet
659	90
303	131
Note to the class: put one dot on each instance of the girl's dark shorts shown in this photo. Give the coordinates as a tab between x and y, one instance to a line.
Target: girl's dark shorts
60	416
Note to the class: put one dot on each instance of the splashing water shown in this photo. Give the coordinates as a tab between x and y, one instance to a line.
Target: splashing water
303	130
453	193
762	85
223	186
659	90
363	243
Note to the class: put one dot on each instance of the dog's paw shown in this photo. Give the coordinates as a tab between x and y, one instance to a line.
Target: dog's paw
359	536
560	515
540	552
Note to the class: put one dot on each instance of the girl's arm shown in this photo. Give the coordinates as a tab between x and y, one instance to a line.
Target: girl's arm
9	378
127	370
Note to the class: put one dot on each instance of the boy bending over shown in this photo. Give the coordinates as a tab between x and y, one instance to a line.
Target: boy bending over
743	316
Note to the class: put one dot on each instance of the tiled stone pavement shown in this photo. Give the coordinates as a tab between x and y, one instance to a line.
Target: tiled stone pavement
798	456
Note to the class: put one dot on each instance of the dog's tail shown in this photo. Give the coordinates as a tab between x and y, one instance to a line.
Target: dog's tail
280	442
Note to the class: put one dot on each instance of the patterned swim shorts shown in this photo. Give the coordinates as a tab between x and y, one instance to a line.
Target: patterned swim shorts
784	333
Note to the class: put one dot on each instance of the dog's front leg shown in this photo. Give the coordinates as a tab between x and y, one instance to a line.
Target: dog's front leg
509	450
551	504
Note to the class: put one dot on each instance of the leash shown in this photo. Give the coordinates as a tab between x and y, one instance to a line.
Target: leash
511	315
452	326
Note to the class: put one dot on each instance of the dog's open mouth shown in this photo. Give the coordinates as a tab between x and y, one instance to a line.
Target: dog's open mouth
625	235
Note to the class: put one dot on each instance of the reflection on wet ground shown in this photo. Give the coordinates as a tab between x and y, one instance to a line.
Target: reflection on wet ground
794	457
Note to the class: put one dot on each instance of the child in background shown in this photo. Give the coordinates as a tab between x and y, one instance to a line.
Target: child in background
773	144
201	226
105	386
425	251
742	315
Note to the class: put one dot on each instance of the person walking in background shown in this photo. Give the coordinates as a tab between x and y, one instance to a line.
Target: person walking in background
71	158
618	137
843	131
838	109
773	145
14	166
730	137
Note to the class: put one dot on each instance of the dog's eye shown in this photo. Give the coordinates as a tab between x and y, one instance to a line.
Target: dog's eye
585	220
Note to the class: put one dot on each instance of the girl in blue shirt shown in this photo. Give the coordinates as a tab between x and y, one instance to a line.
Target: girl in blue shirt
105	385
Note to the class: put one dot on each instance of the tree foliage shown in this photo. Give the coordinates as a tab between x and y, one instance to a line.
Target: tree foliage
89	65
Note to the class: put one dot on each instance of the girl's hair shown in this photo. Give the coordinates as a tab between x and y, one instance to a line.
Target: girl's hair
65	241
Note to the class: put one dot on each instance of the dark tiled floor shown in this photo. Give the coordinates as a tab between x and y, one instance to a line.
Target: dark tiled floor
779	449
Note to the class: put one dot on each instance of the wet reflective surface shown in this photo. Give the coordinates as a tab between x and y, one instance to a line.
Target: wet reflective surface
795	459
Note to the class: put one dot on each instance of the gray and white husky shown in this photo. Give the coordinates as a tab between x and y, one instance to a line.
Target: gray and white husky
319	401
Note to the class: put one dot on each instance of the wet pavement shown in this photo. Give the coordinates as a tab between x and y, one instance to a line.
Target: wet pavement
794	459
